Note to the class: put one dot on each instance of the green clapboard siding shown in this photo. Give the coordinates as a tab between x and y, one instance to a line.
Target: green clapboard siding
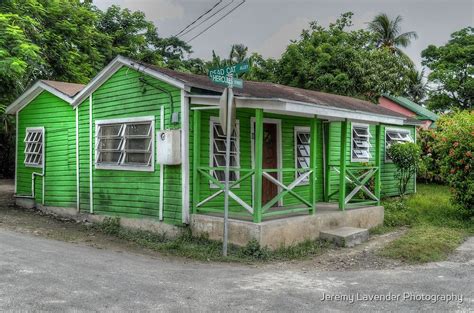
244	190
389	184
124	192
58	119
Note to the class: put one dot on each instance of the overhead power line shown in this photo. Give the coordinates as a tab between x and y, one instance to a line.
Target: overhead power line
201	16
207	18
220	19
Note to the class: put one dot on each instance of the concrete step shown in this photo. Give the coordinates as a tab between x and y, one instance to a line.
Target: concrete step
345	236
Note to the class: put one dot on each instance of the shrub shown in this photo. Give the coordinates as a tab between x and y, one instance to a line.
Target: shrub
406	157
429	168
455	144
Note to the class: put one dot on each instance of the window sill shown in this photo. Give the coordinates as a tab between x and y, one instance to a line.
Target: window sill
125	168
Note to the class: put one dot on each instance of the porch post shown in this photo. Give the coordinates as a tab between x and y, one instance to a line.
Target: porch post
312	164
342	166
378	155
327	178
257	209
196	157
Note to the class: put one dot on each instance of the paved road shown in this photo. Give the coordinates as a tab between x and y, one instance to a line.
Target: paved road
41	274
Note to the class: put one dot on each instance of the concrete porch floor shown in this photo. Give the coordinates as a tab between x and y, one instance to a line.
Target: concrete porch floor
287	230
321	208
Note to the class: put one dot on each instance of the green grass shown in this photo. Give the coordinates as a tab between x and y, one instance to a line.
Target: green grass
201	248
436	227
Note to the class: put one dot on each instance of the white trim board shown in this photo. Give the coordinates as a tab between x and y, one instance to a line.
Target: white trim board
185	189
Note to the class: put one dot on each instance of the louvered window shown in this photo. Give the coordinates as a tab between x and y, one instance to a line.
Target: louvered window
360	145
125	144
218	151
393	136
34	142
302	142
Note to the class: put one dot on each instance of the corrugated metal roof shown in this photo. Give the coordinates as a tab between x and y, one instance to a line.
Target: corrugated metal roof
265	90
69	89
423	113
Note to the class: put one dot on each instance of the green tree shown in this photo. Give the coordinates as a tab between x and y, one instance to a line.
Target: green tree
416	90
344	62
388	33
406	157
452	72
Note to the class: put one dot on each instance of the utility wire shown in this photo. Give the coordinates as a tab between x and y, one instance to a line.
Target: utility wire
201	16
209	17
233	9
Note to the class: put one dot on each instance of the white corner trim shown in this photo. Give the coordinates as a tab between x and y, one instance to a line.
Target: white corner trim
16	152
185	156
91	184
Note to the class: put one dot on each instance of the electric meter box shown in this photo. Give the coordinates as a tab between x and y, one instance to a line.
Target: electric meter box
168	147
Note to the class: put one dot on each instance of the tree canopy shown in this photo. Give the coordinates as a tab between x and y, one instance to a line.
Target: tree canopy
452	72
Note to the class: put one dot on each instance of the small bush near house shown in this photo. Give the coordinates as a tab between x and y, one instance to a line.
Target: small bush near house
455	144
406	158
429	170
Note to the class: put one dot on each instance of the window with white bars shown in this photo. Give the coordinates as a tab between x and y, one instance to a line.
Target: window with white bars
125	144
302	149
393	136
360	143
34	141
218	149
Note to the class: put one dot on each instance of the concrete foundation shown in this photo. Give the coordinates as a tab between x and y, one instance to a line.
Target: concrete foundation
130	223
286	231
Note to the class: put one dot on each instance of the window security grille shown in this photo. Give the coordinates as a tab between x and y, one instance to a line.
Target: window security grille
128	144
34	147
218	150
360	146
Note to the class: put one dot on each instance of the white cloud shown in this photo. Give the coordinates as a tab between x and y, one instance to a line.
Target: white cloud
274	45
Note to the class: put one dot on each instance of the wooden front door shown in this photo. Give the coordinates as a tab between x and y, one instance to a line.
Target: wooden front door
270	160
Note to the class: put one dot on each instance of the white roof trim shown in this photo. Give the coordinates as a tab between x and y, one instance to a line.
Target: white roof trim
284	105
31	93
113	67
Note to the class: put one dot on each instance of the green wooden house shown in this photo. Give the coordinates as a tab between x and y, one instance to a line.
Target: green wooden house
145	142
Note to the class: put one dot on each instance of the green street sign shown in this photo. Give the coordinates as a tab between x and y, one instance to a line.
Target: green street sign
228	81
233	70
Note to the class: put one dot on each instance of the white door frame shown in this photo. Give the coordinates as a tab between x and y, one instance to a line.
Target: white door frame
277	122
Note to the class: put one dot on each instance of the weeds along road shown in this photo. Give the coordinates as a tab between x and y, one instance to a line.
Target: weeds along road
38	274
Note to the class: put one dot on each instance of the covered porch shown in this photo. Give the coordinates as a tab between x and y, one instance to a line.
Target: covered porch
321	187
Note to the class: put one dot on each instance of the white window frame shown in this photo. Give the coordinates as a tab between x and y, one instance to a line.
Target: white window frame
126	167
355	125
394	129
34	129
301	129
212	121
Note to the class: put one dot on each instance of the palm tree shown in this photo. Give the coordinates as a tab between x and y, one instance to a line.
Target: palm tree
238	53
388	33
416	91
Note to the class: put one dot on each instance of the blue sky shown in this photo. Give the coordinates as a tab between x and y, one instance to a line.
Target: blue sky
267	26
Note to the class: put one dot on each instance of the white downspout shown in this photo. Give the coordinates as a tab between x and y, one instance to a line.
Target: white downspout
42	171
91	187
162	168
16	152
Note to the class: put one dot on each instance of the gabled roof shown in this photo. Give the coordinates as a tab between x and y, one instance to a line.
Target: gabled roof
69	89
63	90
421	112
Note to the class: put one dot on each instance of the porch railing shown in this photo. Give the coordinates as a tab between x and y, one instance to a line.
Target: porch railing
255	209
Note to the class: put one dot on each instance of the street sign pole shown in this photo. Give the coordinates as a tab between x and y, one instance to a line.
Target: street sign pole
229	128
227	76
